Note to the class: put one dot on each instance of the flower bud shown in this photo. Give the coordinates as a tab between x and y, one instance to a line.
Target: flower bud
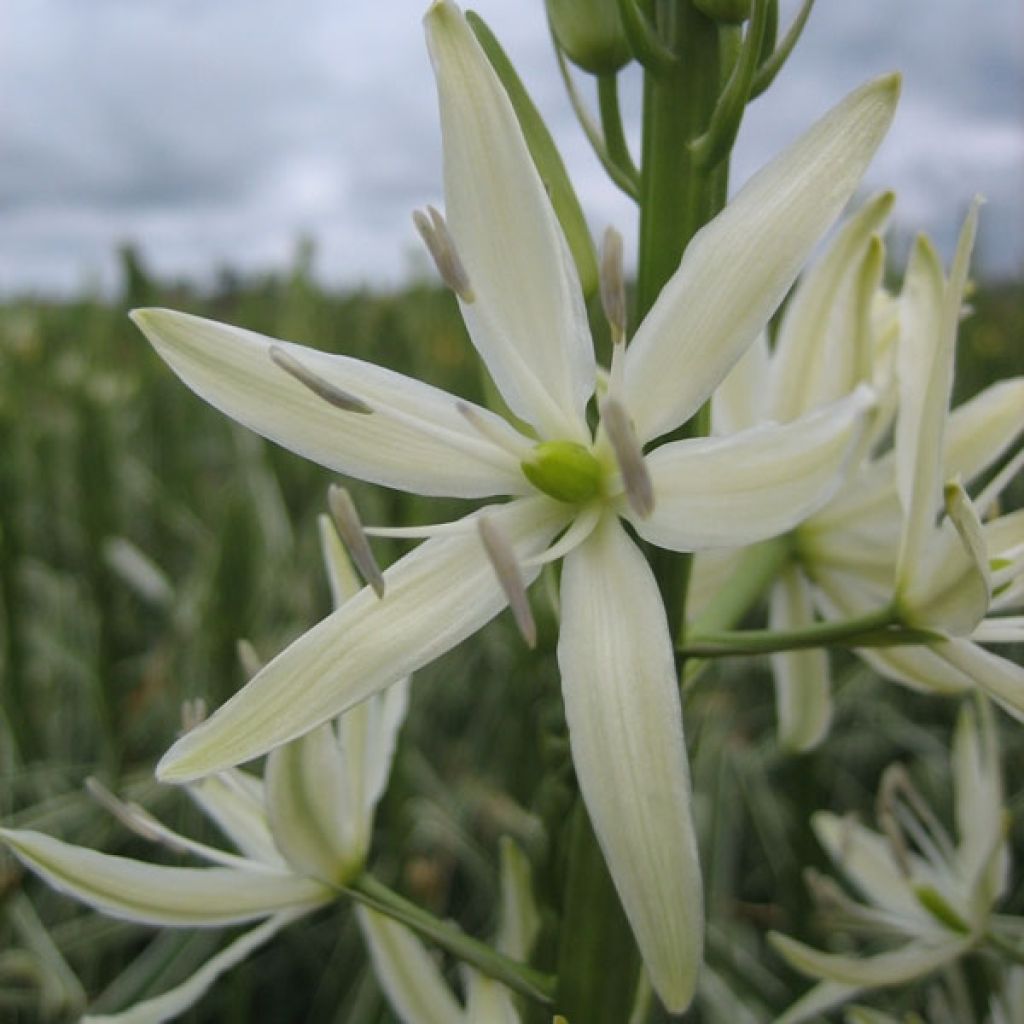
591	34
564	470
730	11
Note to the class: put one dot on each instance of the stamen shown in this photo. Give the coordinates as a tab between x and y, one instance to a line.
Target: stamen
441	246
909	814
987	500
518	447
321	388
250	661
506	566
193	713
613	285
582	527
630	456
420	532
350	529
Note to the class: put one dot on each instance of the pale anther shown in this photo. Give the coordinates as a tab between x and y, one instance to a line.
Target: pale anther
131	815
613	285
506	567
250	661
324	389
350	529
193	713
630	457
441	246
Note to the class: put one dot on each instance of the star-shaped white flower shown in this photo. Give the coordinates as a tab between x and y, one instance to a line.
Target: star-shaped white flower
501	249
301	831
917	886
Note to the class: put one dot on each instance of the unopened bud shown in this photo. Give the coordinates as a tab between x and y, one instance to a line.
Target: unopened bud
590	34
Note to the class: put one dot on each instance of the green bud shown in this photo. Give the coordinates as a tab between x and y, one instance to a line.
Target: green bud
590	33
564	470
730	11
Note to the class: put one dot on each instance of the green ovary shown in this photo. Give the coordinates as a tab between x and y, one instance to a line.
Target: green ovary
564	470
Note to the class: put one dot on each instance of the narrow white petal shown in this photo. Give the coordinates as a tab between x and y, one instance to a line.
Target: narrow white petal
1004	629
925	379
527	317
897	968
978	793
520	920
803	687
741	400
625	728
723	492
868	861
305	782
738	267
389	714
177	1000
814	362
436	596
408	974
234	800
158	895
488	1000
414	439
824	996
999	678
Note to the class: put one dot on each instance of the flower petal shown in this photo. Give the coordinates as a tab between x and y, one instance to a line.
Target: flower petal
824	996
177	1000
415	439
436	597
234	801
999	678
814	361
520	919
406	971
723	492
625	728
738	267
158	895
896	968
527	317
488	1000
739	401
803	697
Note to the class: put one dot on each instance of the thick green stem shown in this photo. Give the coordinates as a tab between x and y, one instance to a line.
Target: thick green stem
374	894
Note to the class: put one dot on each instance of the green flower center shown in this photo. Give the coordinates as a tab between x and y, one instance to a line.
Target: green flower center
564	470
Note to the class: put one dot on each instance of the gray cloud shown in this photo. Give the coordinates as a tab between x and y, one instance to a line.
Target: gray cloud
215	133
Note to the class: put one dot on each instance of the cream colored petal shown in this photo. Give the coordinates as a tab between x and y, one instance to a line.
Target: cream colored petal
741	400
305	781
488	1000
527	317
177	1000
724	492
234	800
824	996
625	728
738	267
816	360
803	688
520	919
436	596
158	895
411	979
998	678
912	961
415	439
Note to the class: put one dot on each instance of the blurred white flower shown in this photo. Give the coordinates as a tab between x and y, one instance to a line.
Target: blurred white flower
301	831
918	888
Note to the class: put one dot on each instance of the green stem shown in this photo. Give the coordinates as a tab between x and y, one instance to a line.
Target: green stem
876	629
611	123
374	894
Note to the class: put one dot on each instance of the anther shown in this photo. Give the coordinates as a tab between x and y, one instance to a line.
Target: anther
193	713
131	815
324	389
350	529
441	246
250	661
613	285
630	457
506	567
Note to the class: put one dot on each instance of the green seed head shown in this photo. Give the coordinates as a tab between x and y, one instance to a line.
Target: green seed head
564	470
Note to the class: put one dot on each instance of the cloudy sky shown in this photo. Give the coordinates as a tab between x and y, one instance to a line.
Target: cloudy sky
214	132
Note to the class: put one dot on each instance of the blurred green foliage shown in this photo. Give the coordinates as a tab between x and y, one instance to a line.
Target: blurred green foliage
142	534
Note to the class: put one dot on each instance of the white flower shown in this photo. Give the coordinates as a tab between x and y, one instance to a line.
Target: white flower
503	252
918	887
301	831
877	543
